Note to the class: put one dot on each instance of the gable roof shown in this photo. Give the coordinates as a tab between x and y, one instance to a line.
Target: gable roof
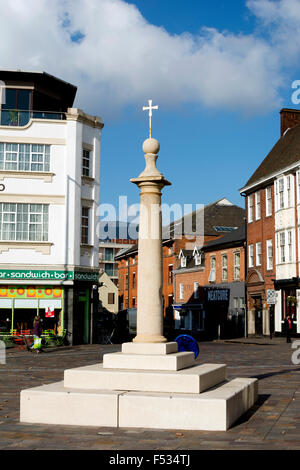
210	218
235	238
284	154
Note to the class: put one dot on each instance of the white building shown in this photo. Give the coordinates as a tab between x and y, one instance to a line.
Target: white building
49	171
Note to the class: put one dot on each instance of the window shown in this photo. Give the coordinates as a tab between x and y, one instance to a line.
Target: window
250	208
288	188
111	298
241	302
290	247
281	193
196	290
133	302
212	274
133	281
269	254
109	269
269	201
15	111
24	222
224	268
170	274
258	254
108	254
282	247
85	225
237	264
85	162
181	291
24	157
198	260
257	206
126	282
235	303
251	256
183	262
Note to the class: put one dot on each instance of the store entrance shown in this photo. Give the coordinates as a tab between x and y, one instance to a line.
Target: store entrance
258	315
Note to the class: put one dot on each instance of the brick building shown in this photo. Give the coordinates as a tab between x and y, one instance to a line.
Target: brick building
210	288
218	218
273	202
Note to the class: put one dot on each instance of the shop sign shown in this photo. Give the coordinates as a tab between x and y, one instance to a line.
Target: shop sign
30	292
217	295
49	311
18	274
271	296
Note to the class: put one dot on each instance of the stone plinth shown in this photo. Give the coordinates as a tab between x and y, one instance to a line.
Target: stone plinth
196	379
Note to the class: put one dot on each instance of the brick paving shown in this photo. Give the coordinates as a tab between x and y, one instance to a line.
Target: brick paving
273	423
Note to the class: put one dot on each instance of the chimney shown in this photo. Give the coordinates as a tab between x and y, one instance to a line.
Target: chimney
289	118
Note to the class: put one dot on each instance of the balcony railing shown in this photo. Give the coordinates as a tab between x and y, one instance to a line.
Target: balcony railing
18	118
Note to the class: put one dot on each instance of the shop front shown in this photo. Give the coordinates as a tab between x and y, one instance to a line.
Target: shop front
20	304
66	303
287	303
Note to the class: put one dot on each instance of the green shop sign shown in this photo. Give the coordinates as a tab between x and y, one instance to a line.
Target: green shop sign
14	275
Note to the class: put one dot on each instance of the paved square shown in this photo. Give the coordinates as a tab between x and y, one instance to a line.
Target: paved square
273	423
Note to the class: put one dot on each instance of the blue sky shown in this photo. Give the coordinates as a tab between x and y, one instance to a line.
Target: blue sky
220	72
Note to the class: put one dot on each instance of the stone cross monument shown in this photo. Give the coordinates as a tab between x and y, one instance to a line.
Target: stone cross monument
150	308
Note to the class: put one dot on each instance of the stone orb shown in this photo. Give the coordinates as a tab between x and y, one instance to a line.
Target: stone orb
151	146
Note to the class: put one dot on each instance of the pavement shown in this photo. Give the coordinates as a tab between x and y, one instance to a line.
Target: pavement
273	423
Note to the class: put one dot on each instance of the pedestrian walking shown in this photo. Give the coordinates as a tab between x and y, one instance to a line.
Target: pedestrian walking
37	333
288	327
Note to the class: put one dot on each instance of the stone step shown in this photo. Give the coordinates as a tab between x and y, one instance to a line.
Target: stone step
215	410
195	379
55	404
150	348
174	361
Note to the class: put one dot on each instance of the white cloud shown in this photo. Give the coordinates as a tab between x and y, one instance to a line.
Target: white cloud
121	59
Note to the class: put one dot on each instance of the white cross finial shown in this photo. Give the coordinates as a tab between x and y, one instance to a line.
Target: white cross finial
150	108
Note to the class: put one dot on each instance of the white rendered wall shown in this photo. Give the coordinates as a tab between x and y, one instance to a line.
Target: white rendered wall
63	193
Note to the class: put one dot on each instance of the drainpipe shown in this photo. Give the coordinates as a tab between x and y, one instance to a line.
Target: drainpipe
245	273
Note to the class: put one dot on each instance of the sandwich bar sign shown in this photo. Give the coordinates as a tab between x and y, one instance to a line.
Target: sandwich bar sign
18	274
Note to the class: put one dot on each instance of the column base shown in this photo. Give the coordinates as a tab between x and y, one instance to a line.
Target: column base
149	339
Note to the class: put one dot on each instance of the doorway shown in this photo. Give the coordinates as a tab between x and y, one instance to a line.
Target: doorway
258	315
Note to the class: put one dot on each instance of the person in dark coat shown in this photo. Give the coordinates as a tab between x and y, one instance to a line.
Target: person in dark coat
288	327
37	329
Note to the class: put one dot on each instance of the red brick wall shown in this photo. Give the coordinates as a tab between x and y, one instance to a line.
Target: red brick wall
201	276
289	119
261	231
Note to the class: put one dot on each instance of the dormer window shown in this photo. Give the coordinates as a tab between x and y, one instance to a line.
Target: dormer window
198	259
183	262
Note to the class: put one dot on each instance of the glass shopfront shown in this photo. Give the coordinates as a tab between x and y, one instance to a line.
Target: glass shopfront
20	304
